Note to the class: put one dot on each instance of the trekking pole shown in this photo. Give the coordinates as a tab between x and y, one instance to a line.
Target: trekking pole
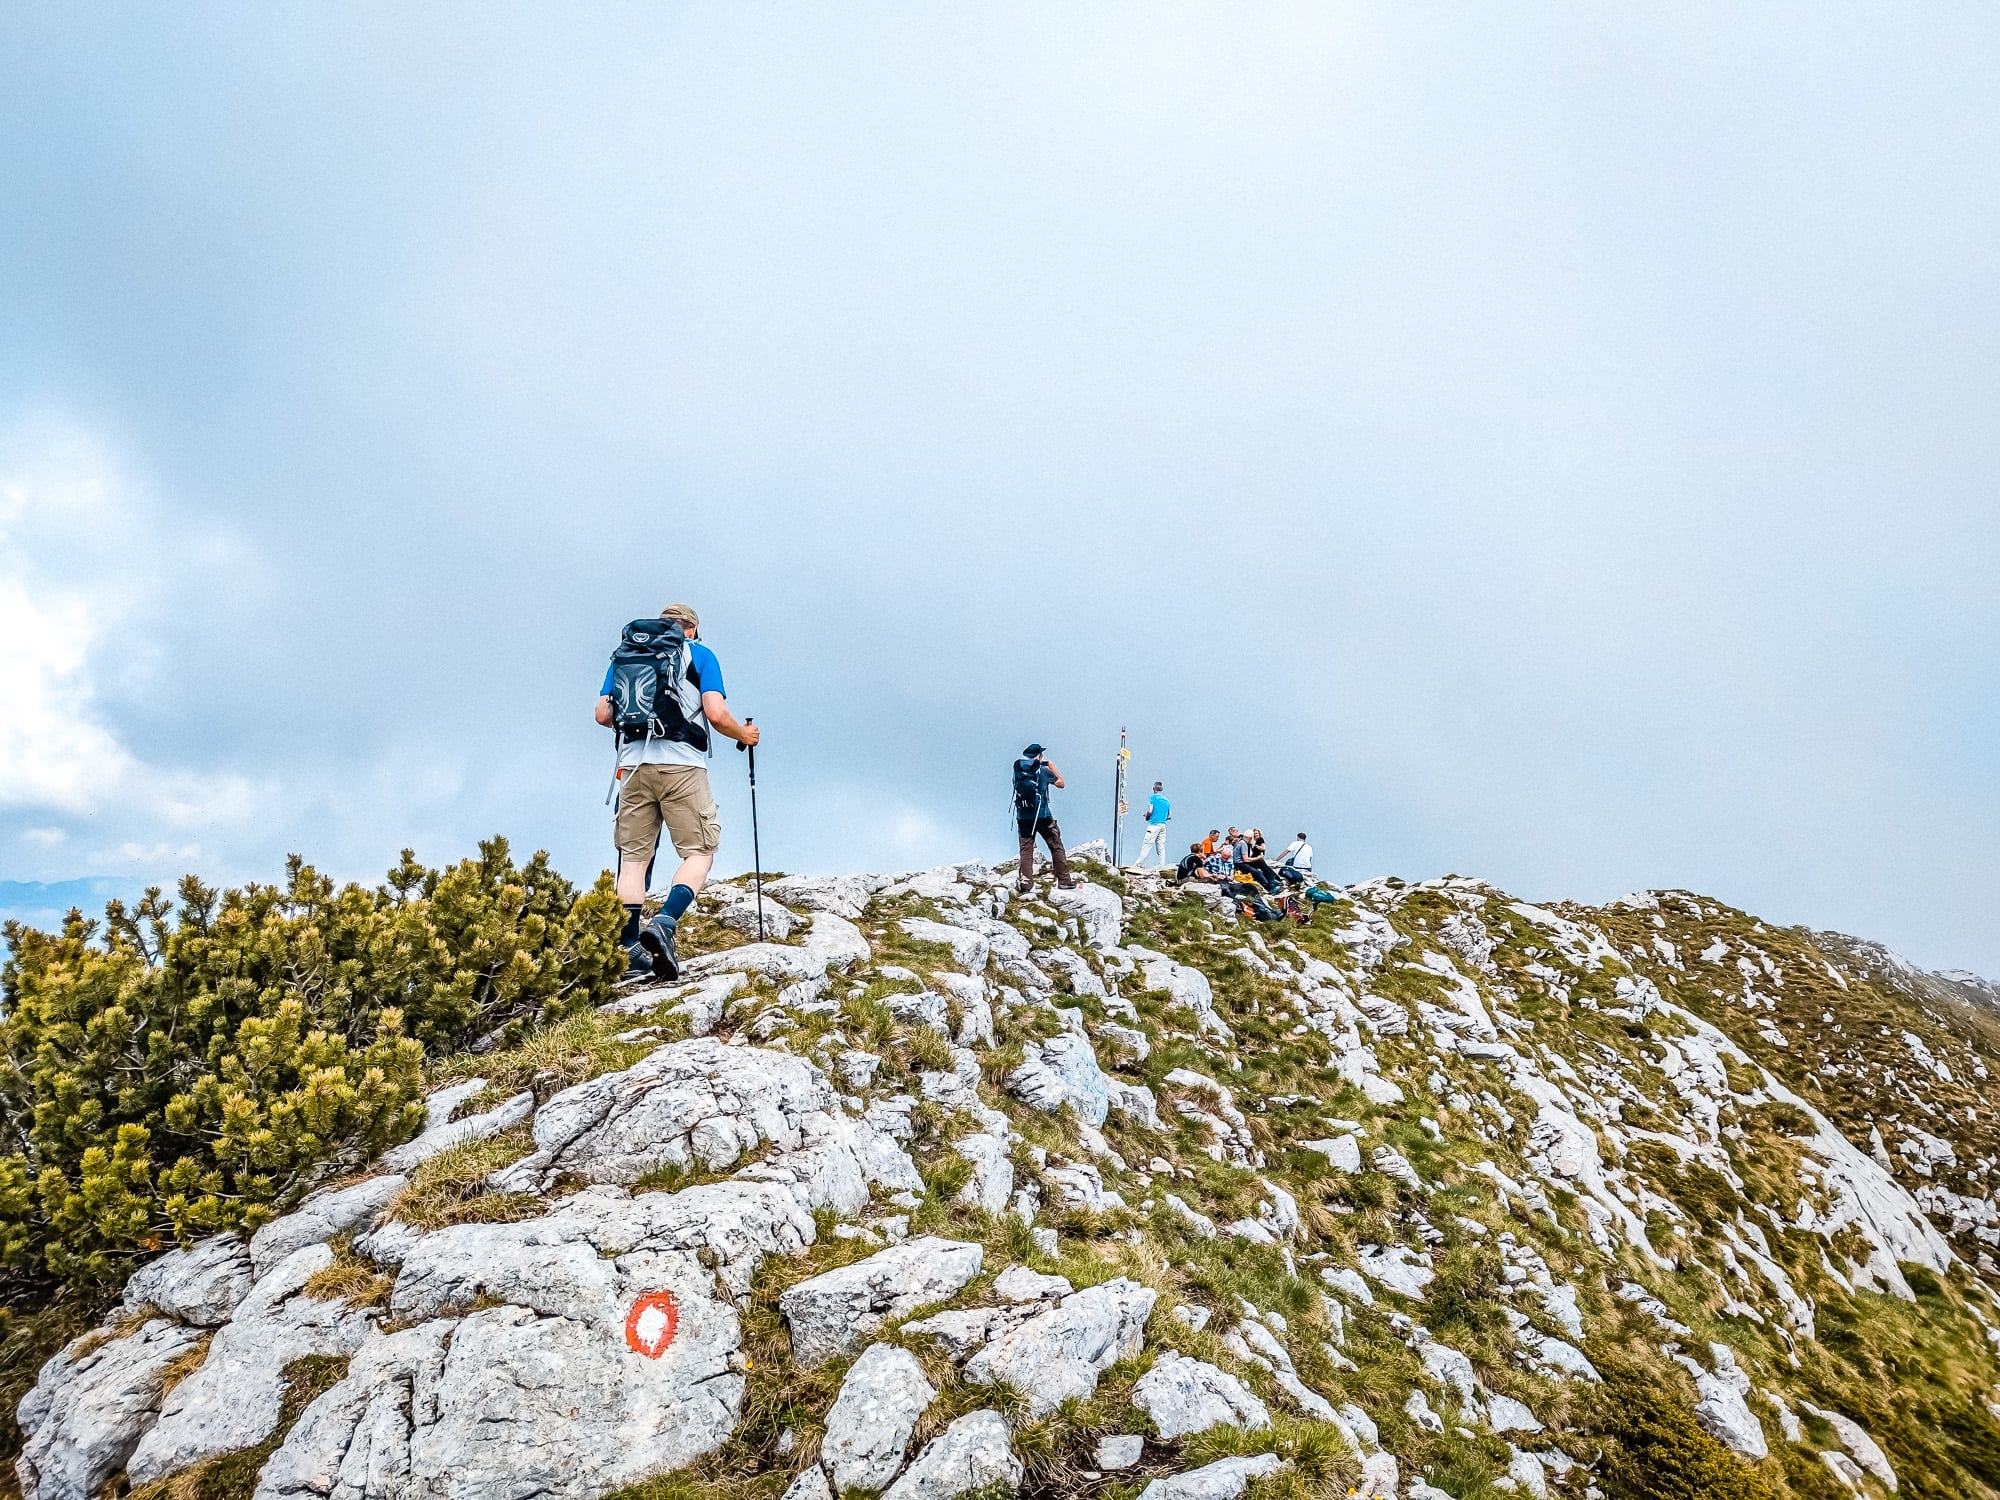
756	854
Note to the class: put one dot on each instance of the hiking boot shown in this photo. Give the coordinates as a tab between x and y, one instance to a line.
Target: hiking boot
638	963
1023	887
657	938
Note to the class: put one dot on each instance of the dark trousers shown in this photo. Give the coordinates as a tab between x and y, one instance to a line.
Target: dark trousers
1260	872
1052	835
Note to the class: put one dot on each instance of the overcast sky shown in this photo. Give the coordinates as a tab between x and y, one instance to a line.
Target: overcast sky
1556	444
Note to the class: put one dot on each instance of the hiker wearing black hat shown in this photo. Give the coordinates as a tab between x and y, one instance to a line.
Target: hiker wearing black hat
1034	775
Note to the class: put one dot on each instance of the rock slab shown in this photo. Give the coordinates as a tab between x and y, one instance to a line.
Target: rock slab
831	1314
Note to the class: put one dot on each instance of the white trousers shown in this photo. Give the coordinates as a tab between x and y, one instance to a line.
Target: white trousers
1156	837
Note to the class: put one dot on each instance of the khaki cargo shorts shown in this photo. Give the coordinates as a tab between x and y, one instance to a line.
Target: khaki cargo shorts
675	795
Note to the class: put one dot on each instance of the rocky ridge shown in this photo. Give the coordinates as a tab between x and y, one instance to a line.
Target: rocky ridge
945	1190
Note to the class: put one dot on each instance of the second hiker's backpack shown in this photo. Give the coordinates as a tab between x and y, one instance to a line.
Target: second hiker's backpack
1028	789
651	696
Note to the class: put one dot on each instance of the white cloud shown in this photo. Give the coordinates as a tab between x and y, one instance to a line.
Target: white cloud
83	554
45	838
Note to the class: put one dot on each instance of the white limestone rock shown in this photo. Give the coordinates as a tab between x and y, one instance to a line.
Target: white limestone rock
701	1103
974	1453
844	896
1097	907
959	1331
737	909
1009	948
1400	1269
1393	1164
609	1358
834	1312
1072	966
1527	1472
441	1133
921	1008
1186	987
837	940
232	1400
1417	1407
1126	1043
1225	1479
1447	1366
969	949
1722	1410
322	1216
975	1022
1563	1357
868	1429
1024	1284
810	1485
91	1405
1379	1478
1134	1103
1060	1353
1119	1451
702	1004
1197	1221
1081	1185
200	1285
597	1250
1855	1439
1062	1070
388	1242
1505	1414
1347	1279
1183	1396
508	1401
992	1180
1344	1151
774	961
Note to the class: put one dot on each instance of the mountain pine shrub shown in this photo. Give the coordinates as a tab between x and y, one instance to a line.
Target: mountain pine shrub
1656	1450
183	1071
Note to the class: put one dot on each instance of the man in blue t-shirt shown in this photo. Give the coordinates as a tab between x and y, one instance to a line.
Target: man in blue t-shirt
663	782
1158	810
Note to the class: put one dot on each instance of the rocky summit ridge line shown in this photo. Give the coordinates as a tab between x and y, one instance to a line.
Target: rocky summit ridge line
942	1190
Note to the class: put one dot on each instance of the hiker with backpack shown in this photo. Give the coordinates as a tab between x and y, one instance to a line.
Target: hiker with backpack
662	695
1034	775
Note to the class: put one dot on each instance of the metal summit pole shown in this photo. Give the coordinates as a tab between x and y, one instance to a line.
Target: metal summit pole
1118	803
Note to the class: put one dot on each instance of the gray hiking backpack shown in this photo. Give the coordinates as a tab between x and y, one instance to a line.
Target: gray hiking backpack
651	696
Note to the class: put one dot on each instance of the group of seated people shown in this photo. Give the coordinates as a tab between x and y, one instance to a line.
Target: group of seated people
1237	862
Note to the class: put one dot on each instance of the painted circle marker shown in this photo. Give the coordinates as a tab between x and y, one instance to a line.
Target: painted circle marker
650	1325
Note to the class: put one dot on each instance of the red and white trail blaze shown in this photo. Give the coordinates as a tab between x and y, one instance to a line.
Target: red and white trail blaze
650	1326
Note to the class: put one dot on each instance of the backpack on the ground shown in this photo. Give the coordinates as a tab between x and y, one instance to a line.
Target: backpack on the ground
1028	790
649	684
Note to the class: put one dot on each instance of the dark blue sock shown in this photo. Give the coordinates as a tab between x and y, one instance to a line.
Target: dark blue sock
629	934
679	899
